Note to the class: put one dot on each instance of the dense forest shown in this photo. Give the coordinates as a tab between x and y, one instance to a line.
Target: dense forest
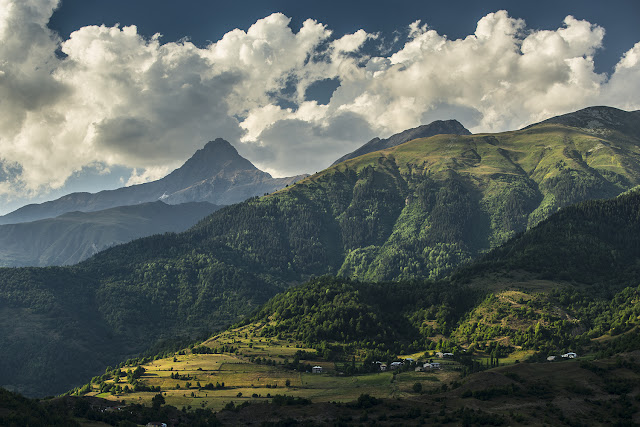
377	316
591	243
409	213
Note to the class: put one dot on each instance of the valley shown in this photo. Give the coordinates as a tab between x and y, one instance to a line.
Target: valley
410	212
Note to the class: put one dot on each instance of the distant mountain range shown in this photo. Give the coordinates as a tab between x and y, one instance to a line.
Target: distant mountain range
216	174
74	227
438	127
413	211
75	236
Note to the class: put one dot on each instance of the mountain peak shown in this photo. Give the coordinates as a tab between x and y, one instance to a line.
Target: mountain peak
437	127
219	147
216	173
218	143
599	117
216	156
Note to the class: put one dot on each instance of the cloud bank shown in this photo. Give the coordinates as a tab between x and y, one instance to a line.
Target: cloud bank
108	96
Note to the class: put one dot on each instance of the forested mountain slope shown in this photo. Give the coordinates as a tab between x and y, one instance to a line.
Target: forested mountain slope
570	280
413	211
75	236
422	208
594	242
515	305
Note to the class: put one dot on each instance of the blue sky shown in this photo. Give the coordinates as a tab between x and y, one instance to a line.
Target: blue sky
204	21
92	99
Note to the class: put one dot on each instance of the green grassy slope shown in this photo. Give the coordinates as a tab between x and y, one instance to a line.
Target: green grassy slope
256	376
598	393
422	208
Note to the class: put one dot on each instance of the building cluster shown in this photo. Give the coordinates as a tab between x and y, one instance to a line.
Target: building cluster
420	366
570	355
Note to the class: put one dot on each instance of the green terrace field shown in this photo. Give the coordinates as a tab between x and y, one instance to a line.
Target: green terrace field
572	392
252	369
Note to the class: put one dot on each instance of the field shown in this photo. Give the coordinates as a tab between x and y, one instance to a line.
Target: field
239	379
250	370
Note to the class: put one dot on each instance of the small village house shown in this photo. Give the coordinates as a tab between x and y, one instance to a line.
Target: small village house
395	365
442	355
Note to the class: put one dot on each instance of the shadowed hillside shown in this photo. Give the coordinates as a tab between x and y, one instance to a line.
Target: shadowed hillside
75	236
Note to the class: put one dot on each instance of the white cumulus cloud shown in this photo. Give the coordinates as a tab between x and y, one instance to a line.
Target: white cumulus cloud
115	98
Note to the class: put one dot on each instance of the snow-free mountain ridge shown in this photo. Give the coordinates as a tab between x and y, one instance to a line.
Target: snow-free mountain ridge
438	127
599	118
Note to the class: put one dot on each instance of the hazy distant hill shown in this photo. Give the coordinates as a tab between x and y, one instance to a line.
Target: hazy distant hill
75	236
216	174
416	210
439	127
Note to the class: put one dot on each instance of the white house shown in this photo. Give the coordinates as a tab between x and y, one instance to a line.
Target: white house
432	365
383	367
551	358
395	365
570	355
316	370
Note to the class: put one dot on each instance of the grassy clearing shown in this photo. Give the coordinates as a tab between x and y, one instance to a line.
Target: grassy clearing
244	380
